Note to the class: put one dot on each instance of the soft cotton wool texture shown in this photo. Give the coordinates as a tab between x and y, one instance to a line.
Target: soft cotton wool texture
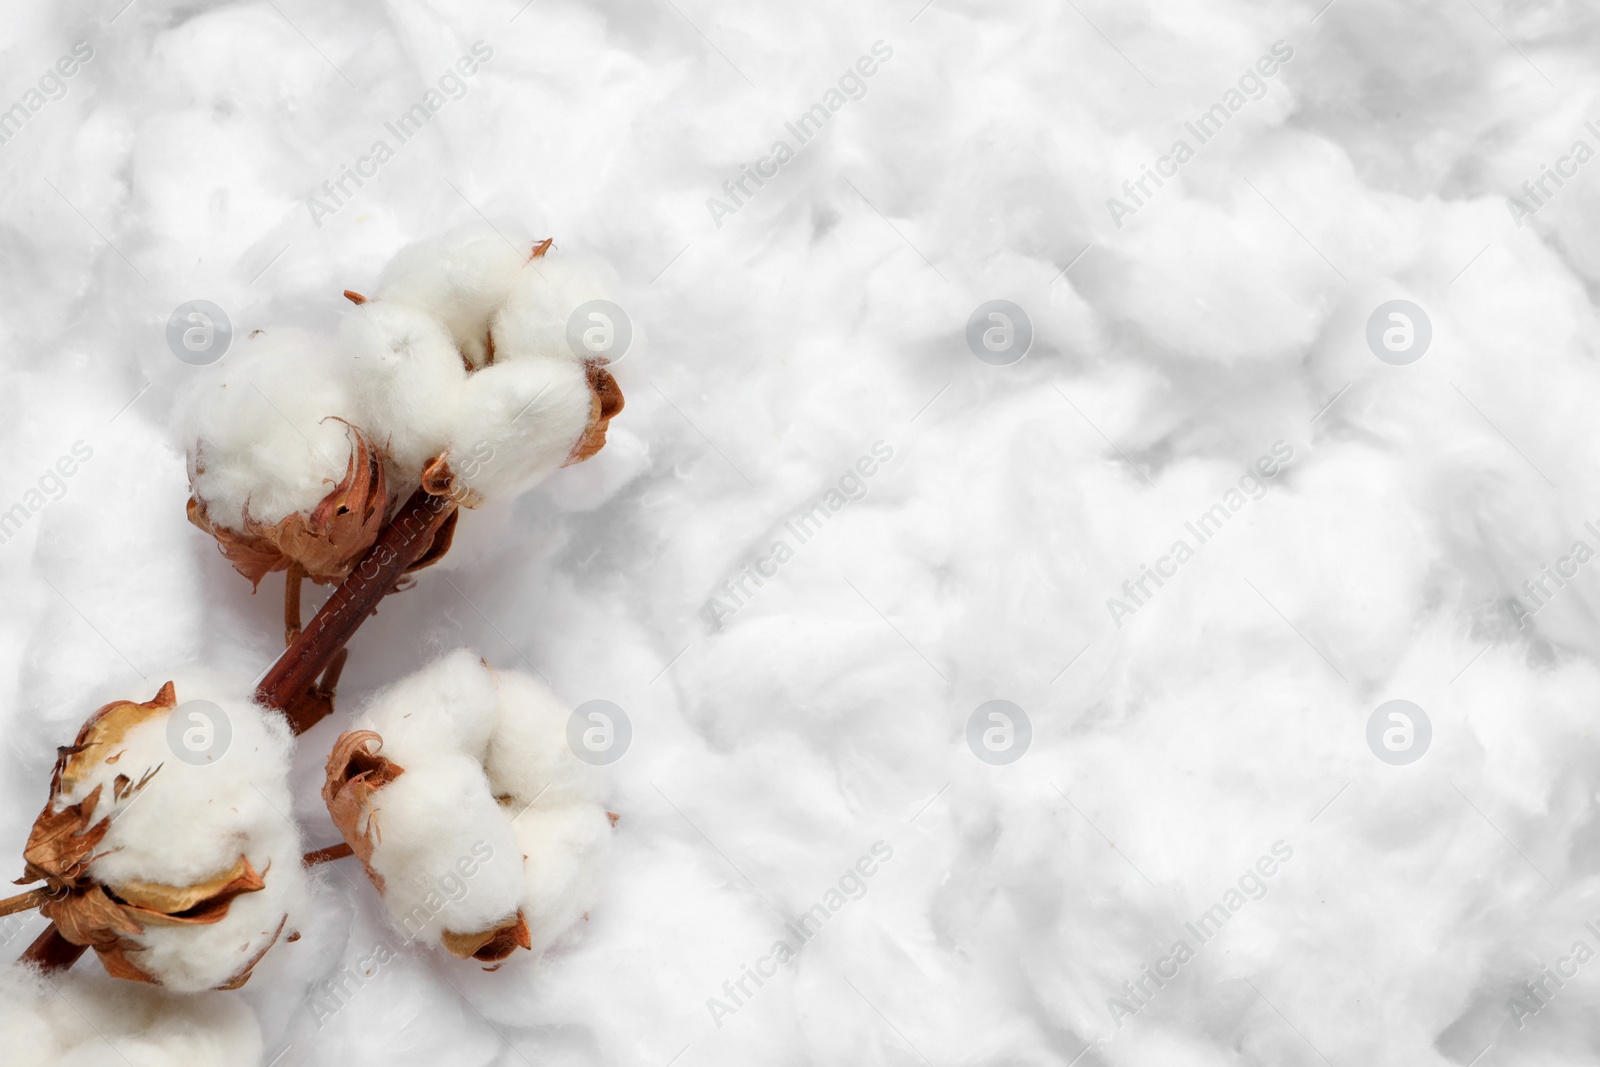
492	812
90	1020
264	429
769	755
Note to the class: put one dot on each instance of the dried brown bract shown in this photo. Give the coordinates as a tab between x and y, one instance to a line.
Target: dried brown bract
328	541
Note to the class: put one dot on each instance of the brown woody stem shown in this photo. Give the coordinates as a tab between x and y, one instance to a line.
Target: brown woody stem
52	952
24	901
293	578
409	534
328	855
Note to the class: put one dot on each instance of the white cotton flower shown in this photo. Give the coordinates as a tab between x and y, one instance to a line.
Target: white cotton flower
167	839
81	1019
477	824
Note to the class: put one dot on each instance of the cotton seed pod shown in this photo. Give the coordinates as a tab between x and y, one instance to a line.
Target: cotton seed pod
517	402
607	404
276	473
327	541
477	825
162	845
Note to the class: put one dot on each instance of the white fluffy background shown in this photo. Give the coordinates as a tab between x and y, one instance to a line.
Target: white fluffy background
830	712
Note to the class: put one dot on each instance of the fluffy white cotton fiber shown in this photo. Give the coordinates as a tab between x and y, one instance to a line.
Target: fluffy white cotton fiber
406	377
84	1019
533	321
517	422
822	311
263	429
555	804
491	813
462	279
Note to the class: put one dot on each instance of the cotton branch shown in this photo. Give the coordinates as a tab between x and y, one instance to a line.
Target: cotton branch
24	901
292	683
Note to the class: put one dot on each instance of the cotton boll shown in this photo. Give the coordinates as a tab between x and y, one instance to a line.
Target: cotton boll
212	801
176	827
518	421
565	848
81	1019
439	819
461	279
196	959
529	758
447	707
277	474
407	373
262	431
491	827
432	824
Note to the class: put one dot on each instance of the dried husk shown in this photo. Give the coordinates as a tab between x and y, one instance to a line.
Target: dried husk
605	406
439	478
355	771
490	946
328	542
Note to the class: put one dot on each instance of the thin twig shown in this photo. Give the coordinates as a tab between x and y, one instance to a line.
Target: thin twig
328	855
24	901
293	578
